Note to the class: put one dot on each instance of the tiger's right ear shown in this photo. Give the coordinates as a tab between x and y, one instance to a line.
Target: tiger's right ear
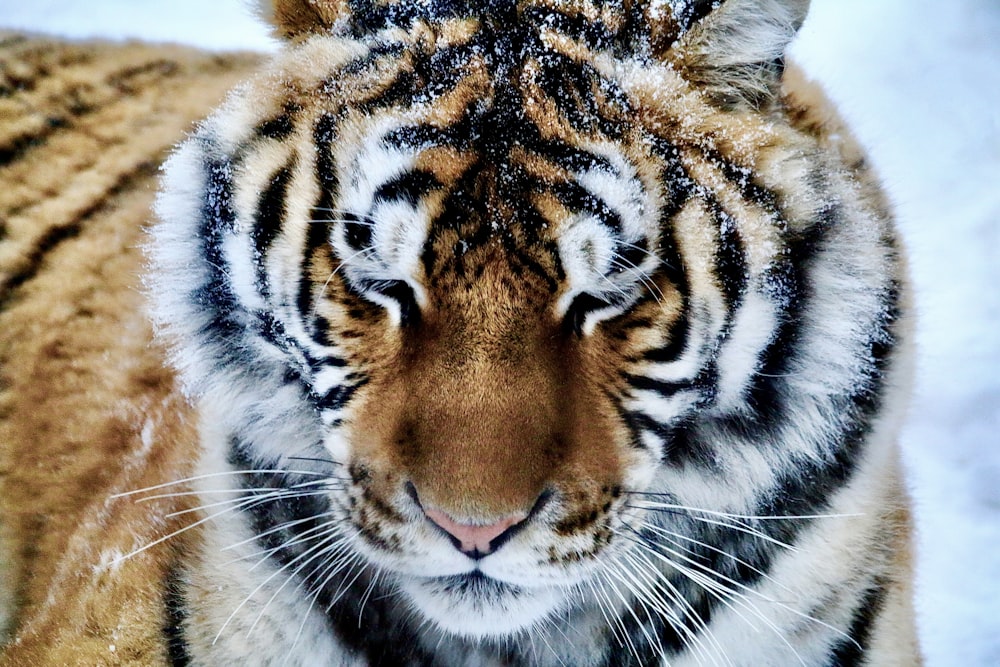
298	19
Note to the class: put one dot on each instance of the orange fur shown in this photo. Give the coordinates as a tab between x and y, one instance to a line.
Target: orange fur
296	19
89	410
87	407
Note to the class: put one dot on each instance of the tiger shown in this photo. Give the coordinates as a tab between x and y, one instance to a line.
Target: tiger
504	333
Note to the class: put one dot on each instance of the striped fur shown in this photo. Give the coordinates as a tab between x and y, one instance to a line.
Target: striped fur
605	276
89	408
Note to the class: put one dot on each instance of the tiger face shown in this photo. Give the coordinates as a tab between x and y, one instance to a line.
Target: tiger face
493	319
526	313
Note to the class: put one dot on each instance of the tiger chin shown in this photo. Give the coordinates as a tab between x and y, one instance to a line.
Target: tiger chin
503	333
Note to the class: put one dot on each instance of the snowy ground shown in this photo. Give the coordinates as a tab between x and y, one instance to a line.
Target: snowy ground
920	82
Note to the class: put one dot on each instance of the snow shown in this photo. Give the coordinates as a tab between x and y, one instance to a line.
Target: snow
919	80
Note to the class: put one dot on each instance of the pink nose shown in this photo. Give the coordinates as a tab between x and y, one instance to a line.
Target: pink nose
473	539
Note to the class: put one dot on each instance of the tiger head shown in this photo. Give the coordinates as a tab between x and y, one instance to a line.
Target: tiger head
482	278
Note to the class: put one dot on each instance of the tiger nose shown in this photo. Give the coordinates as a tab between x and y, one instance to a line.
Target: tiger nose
475	540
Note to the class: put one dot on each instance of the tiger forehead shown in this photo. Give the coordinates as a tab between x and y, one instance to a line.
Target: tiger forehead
649	21
479	213
457	134
496	70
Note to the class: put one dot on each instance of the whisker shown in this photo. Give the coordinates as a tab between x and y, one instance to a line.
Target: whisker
263	555
326	221
700	569
625	295
647	252
738	526
175	533
624	264
634	590
368	592
672	536
317	550
354	560
333	556
727	515
269	551
343	263
316	459
689	636
728	596
260	586
605	605
265	471
200	492
605	578
252	500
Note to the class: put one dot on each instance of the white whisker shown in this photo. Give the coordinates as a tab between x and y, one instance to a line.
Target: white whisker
261	585
201	492
251	500
689	636
278	528
673	536
265	471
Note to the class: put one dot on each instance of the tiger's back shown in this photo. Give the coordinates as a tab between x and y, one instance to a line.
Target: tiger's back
84	129
636	276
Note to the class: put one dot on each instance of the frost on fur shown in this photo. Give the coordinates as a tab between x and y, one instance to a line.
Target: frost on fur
736	53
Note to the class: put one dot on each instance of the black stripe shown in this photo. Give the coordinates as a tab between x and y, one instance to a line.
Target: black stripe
357	230
523	261
730	258
850	652
269	220
791	289
420	137
592	32
576	314
401	292
665	389
679	335
693	11
571	86
224	329
746	180
680	189
338	396
409	187
400	93
318	234
570	157
21	144
280	127
464	205
57	235
447	67
579	199
175	617
64	112
271	329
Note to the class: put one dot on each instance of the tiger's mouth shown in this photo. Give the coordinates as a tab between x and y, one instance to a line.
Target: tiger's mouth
477	585
477	605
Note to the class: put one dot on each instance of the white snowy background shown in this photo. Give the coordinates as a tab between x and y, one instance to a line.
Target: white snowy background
920	82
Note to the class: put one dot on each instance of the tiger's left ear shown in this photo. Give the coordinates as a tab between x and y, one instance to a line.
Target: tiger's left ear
297	19
735	50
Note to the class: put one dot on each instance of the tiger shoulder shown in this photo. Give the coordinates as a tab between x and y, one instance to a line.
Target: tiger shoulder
504	333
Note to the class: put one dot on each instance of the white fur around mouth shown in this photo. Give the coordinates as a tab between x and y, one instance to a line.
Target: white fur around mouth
479	606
